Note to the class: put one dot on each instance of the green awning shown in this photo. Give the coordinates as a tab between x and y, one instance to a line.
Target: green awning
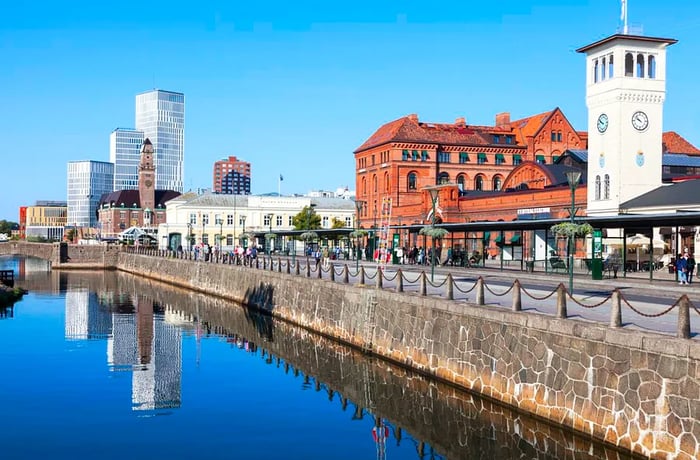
487	236
499	156
481	156
515	239
517	157
540	158
498	239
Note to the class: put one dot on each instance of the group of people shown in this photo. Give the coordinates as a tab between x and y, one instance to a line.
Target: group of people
685	267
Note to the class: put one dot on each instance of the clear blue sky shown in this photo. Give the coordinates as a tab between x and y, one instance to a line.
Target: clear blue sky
295	87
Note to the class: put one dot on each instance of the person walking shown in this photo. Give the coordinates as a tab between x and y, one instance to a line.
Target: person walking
691	267
682	268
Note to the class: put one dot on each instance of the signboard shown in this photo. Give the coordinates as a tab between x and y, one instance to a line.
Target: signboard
597	244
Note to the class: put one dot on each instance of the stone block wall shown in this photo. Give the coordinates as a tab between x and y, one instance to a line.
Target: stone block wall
637	390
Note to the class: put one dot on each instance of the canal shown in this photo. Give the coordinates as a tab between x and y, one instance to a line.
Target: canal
106	365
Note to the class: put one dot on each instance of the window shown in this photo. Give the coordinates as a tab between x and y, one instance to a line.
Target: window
597	187
193	218
496	138
348	222
404	155
412	179
205	238
640	66
602	70
555	158
217	219
517	159
500	159
558	136
364	186
241	221
463	157
610	66
205	219
278	221
554	136
443	157
606	187
267	220
290	221
414	155
387	183
509	139
540	159
461	180
595	72
374	183
629	65
481	158
479	182
652	67
229	240
229	219
373	160
497	183
324	222
443	178
424	155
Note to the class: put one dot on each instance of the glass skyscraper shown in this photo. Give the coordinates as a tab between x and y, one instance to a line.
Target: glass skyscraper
87	182
160	115
125	153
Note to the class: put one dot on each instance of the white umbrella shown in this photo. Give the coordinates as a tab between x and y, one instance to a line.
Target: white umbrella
642	240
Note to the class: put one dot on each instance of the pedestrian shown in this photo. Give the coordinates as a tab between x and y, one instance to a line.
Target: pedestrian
691	267
682	269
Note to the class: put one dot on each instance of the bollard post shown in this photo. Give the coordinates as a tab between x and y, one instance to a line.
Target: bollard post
279	265
561	302
450	295
346	274
616	309
289	267
362	275
399	280
423	284
380	277
332	273
257	263
517	297
296	267
684	317
319	269
308	268
480	291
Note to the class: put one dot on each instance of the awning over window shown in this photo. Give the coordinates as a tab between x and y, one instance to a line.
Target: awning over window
481	156
539	158
500	157
487	236
498	239
515	239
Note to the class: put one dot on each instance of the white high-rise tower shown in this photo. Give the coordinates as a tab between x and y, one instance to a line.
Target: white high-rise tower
625	92
160	115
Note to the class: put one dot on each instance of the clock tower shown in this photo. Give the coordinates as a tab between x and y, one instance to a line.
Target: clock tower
625	92
147	181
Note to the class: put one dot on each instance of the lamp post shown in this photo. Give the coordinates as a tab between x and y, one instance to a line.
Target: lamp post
358	205
434	193
243	222
270	216
221	231
189	236
572	177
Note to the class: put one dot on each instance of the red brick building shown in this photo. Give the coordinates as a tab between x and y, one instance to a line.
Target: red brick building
231	176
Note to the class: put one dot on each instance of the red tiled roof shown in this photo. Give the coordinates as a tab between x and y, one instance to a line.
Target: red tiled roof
529	126
675	143
409	129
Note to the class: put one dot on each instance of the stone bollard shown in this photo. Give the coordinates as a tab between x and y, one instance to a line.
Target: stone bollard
561	302
480	291
279	265
264	264
362	275
399	280
380	277
616	309
684	317
346	274
423	289
308	268
289	267
319	270
517	300
296	267
257	263
332	273
450	294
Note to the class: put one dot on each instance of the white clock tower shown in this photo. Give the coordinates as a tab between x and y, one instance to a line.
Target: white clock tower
625	92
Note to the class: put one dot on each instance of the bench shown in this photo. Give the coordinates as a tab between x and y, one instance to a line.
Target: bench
557	263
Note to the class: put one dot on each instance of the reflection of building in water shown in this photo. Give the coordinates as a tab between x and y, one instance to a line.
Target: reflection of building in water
85	318
151	348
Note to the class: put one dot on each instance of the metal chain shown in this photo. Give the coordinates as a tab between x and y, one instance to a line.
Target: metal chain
527	293
386	278
694	307
405	278
655	315
589	306
495	293
371	277
468	290
436	285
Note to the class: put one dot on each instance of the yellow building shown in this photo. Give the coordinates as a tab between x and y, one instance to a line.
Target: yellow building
46	219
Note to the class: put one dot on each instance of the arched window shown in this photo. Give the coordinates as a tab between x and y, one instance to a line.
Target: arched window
412	181
461	182
597	187
479	182
629	65
443	178
595	71
610	67
603	69
640	65
606	187
387	183
497	183
374	183
652	67
364	186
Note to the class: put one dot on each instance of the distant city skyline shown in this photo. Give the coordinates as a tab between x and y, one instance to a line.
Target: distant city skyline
295	89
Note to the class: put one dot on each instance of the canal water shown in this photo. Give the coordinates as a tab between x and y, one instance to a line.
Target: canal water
110	366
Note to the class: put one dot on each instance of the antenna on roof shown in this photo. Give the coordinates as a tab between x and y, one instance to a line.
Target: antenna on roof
623	18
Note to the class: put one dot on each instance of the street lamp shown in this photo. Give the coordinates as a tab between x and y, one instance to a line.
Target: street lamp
271	241
572	177
189	236
358	205
220	221
246	238
434	194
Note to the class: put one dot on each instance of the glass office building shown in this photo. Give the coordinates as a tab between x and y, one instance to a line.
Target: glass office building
87	182
125	154
160	115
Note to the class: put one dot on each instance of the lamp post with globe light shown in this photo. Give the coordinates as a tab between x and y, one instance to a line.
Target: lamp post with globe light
573	178
359	204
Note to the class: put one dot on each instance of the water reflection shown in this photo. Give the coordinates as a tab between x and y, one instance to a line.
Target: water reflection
144	323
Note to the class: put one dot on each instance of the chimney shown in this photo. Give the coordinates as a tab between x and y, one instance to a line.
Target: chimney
413	117
503	120
461	121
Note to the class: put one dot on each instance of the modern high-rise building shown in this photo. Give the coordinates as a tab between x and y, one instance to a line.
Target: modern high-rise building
87	182
160	115
232	176
125	153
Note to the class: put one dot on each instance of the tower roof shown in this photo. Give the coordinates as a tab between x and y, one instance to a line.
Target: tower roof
639	38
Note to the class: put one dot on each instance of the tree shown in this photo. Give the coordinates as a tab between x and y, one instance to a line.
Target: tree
7	226
337	223
307	219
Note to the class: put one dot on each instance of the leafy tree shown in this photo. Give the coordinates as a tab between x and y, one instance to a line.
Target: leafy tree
307	219
337	223
71	234
7	226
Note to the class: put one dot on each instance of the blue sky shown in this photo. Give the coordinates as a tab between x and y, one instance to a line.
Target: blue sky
295	87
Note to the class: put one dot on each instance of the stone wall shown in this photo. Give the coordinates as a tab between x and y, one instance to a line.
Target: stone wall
62	255
637	390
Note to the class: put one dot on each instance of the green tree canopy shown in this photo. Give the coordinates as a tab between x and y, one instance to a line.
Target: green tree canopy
307	219
6	226
337	223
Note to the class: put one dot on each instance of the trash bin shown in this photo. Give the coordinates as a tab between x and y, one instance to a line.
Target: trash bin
530	266
597	269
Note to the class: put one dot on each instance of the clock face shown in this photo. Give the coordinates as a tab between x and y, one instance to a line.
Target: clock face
640	121
602	123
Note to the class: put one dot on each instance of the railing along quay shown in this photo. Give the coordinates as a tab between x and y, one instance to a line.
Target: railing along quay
449	288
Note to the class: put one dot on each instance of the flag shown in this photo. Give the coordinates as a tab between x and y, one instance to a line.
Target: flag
281	177
623	13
